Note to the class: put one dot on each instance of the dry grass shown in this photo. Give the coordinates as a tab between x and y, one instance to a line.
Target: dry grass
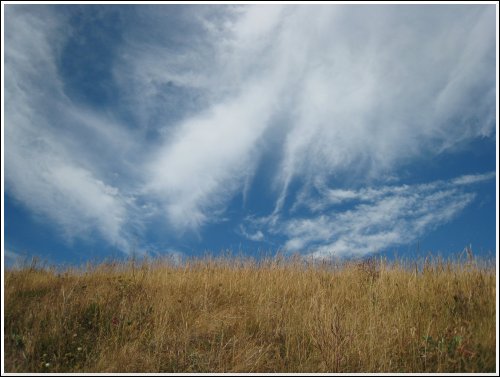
245	316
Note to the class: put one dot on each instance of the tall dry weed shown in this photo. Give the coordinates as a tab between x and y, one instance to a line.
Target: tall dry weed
236	315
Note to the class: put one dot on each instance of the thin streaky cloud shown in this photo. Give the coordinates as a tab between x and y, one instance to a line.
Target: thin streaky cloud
378	219
47	169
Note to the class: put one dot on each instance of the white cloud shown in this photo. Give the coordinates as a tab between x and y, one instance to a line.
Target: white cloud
473	178
353	91
323	197
378	217
381	85
52	148
255	236
205	160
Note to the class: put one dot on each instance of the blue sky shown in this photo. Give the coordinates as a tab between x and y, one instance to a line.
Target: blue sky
328	130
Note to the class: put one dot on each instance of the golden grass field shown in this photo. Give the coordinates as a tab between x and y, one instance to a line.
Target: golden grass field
235	315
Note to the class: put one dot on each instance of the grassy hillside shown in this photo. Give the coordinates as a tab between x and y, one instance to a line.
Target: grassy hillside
244	316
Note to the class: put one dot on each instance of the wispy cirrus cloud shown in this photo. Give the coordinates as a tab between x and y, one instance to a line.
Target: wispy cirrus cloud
340	102
57	165
366	105
473	178
255	236
376	219
205	160
330	197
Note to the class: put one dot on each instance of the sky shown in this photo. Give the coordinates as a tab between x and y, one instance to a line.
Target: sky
332	131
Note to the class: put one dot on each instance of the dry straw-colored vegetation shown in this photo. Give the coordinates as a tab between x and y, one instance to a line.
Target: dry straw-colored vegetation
234	315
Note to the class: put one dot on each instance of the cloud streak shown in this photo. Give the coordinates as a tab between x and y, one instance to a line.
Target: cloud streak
48	160
341	102
208	156
377	218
